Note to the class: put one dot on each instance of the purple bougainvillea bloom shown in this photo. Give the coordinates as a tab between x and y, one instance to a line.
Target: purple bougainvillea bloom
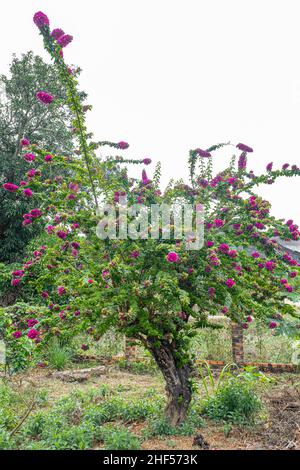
27	222
48	158
244	148
145	179
203	153
209	243
272	325
25	142
255	254
61	290
232	253
11	188
172	257
84	347
134	254
35	213
230	283
249	319
223	248
211	291
29	157
57	33
270	265
65	40
123	145
285	166
45	295
27	192
293	274
40	19
15	282
17	273
147	161
269	166
61	234
289	288
44	97
218	223
17	334
32	334
31	322
242	163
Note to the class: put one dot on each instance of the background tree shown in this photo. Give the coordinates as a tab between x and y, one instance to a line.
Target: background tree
22	116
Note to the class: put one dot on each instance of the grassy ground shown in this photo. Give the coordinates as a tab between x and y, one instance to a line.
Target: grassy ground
122	410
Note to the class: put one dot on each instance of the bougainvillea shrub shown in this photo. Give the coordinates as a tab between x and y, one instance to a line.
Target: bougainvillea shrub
155	291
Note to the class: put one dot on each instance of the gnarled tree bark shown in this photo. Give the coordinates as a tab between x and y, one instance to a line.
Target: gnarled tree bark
178	388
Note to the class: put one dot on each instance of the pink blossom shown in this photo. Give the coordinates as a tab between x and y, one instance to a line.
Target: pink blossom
244	148
57	33
90	281
50	229
45	295
77	313
61	290
230	283
23	183
44	97
270	265
25	142
289	288
33	333
269	166
203	153
27	192
224	309
249	319
134	254
27	222
293	274
245	326
232	254
48	158
65	40
31	322
272	325
41	20
123	145
61	234
10	187
211	291
172	257
255	254
147	161
17	273
209	243
218	223
35	213
283	281
29	157
15	282
223	248
17	334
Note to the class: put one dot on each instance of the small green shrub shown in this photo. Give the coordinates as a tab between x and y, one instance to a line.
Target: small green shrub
235	402
119	439
58	355
160	427
6	443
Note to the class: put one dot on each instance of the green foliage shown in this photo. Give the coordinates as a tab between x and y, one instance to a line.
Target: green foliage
119	439
58	355
235	401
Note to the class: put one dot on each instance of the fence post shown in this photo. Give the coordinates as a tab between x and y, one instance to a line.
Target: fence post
130	350
237	343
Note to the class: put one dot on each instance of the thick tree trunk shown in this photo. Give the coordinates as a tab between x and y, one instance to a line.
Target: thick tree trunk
237	338
177	382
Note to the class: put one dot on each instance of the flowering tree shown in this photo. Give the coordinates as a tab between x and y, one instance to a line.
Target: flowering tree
156	291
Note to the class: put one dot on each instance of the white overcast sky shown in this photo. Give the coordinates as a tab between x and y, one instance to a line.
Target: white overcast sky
171	75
